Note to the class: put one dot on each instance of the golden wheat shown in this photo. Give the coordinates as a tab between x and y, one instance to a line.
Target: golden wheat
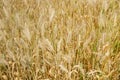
59	40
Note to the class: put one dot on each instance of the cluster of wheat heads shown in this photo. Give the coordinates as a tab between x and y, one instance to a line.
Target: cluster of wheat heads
59	39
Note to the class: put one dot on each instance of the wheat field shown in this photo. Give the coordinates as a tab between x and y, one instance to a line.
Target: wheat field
59	39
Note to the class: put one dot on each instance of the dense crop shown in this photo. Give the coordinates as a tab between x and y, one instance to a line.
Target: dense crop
59	40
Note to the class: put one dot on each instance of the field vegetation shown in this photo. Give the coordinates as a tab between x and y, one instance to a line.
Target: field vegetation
59	39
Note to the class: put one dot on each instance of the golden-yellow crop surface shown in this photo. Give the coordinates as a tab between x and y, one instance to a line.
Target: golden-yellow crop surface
59	39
